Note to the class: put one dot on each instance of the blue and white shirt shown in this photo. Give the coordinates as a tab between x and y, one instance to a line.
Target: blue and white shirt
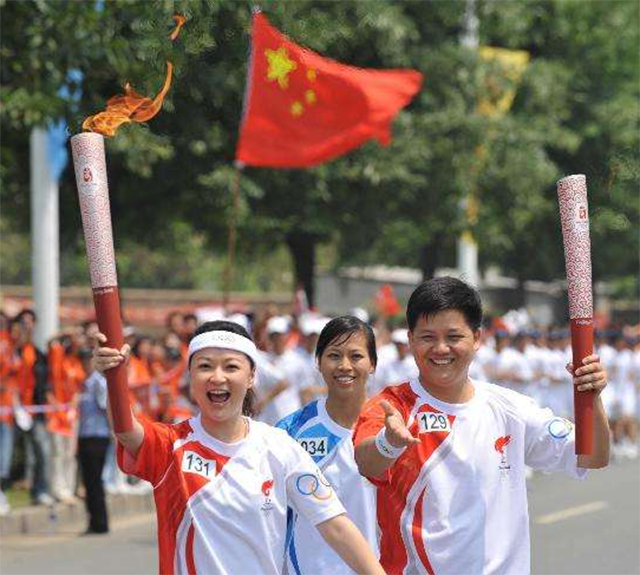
331	448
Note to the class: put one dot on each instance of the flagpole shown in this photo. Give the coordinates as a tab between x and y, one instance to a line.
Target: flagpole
231	236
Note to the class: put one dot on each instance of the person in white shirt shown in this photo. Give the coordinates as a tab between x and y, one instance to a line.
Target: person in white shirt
504	361
312	386
625	426
290	365
480	367
399	368
606	353
558	394
448	456
223	482
346	356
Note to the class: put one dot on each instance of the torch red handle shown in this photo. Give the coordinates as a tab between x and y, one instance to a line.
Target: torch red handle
107	304
582	346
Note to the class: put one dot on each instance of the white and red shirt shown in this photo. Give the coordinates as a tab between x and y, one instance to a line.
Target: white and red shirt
457	503
222	508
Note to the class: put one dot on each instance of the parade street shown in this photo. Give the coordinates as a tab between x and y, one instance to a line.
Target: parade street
582	527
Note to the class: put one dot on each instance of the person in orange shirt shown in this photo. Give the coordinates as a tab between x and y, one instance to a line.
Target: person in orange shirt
9	368
32	392
66	374
173	406
140	379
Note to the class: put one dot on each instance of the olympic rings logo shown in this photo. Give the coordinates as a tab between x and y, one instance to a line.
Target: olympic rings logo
559	428
310	484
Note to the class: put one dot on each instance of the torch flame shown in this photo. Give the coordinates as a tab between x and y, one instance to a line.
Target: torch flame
180	20
132	106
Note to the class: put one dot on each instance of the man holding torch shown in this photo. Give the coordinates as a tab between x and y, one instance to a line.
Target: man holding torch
448	453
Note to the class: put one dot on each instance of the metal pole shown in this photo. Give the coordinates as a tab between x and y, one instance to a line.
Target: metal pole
467	248
231	239
45	258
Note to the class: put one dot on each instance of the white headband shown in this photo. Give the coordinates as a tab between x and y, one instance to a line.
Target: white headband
224	340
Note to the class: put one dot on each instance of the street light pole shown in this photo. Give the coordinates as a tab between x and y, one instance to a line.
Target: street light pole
45	258
467	248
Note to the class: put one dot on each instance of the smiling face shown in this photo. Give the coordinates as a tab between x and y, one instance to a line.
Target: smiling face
345	365
443	346
220	379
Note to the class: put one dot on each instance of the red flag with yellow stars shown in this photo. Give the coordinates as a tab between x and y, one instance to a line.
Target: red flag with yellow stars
302	109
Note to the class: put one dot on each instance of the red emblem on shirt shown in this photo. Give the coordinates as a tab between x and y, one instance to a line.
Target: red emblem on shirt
501	443
267	505
266	487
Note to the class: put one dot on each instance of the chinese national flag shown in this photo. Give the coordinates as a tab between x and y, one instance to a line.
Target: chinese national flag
303	109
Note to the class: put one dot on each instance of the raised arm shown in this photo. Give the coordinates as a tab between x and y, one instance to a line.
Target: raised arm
375	455
105	358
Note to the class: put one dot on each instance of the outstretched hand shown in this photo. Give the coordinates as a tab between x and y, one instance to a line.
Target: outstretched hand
396	432
105	358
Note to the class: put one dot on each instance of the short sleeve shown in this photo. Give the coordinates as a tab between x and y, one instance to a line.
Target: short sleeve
155	454
370	420
550	442
101	390
308	490
286	423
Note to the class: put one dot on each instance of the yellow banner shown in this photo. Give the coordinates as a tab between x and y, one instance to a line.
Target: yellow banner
502	73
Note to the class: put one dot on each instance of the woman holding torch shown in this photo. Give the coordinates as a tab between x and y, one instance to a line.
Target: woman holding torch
222	481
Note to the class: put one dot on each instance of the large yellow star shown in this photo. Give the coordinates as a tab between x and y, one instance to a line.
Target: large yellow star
280	66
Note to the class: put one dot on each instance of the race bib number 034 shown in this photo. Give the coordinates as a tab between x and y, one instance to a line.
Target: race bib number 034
429	422
315	446
194	463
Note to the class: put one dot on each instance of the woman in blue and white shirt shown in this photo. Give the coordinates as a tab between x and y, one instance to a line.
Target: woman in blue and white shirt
346	357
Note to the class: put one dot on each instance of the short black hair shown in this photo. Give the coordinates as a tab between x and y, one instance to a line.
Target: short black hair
441	294
27	311
223	325
342	328
135	350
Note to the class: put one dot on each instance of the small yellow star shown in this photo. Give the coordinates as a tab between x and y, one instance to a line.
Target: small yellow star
311	75
296	109
310	97
280	66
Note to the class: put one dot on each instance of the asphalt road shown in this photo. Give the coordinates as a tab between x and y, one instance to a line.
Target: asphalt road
584	527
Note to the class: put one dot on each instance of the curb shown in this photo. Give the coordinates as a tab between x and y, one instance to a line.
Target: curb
50	519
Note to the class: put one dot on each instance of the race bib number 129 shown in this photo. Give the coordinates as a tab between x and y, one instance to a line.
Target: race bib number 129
429	422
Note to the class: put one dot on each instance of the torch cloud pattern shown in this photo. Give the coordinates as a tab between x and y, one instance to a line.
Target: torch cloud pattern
91	178
574	216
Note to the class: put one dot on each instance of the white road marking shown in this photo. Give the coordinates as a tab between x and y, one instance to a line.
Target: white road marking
571	512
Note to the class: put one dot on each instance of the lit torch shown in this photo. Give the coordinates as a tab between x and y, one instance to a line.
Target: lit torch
93	192
574	216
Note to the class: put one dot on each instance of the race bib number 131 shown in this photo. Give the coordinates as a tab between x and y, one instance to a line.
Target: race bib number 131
429	422
194	463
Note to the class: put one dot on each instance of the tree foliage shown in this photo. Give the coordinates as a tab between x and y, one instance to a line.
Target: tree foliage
576	110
